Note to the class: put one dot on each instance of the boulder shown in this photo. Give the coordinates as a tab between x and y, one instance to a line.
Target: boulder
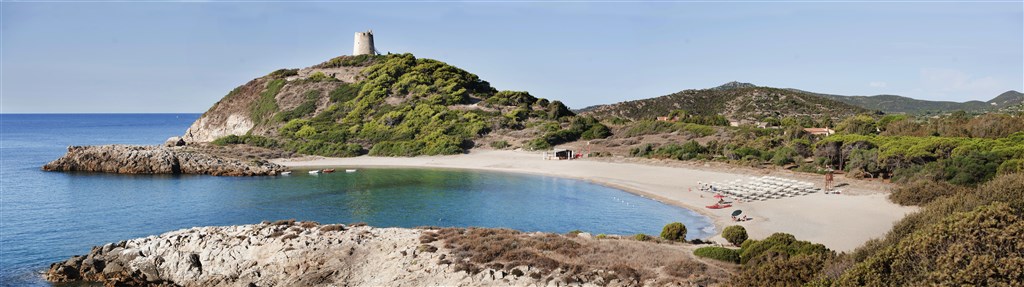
174	141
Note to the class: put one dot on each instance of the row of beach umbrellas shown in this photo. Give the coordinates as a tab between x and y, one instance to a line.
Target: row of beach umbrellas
761	188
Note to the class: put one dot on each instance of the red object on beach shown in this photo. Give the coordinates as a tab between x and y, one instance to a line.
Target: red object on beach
719	206
329	170
719	196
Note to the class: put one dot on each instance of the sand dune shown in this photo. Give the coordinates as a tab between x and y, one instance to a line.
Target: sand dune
841	222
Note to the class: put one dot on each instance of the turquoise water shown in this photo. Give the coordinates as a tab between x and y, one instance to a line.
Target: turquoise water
47	216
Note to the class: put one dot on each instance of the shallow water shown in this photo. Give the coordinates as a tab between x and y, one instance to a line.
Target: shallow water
49	216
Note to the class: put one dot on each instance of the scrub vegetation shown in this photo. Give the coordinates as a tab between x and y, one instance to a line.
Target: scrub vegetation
405	106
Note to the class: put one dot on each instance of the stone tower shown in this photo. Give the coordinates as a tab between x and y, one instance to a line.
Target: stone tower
363	44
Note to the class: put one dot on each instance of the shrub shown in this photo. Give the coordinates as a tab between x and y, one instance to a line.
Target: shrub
735	234
284	222
283	73
252	140
344	93
266	105
685	268
537	144
674	232
319	76
642	237
976	248
922	191
499	144
718	253
332	227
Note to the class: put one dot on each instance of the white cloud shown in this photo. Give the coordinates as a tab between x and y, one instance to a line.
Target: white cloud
955	85
878	84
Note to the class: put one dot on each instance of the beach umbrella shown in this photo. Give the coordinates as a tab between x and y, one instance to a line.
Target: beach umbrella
737	212
719	196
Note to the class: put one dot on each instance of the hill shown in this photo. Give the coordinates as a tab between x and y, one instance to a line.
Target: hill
393	105
899	104
736	101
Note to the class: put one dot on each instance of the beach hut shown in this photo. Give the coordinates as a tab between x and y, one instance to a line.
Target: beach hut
563	154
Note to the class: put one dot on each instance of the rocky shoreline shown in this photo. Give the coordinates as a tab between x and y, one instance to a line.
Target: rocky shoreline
289	253
135	159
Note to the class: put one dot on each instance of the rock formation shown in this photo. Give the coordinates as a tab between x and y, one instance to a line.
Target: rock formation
273	254
130	159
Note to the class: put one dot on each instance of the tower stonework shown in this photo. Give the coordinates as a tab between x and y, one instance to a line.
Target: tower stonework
363	44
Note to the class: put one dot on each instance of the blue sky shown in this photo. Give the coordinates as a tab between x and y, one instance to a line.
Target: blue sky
183	57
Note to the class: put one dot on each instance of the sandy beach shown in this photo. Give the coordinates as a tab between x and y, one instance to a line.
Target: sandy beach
841	222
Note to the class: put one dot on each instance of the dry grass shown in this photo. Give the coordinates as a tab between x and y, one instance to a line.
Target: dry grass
570	257
332	227
284	222
309	224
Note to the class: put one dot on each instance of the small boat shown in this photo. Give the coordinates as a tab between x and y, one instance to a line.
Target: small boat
286	173
315	171
350	170
328	170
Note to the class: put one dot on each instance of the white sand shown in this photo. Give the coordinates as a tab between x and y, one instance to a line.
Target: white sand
841	222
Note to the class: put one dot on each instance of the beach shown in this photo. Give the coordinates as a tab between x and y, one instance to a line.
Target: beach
841	222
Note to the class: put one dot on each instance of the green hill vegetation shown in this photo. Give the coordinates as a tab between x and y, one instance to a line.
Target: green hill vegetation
958	148
898	104
401	106
734	101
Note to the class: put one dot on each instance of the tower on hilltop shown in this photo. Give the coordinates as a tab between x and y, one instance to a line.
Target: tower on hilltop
363	44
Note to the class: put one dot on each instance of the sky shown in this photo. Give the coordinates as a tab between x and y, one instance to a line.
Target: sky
125	57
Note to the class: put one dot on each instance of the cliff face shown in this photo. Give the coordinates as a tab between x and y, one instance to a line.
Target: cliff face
238	112
155	160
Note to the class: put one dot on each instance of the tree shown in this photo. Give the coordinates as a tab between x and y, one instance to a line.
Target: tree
861	124
674	231
735	234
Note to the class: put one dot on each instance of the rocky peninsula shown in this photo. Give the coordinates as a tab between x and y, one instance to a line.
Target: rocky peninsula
289	253
134	159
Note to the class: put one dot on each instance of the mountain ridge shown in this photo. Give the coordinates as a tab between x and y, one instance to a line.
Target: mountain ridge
884	103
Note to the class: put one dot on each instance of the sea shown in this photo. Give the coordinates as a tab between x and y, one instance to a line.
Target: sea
47	217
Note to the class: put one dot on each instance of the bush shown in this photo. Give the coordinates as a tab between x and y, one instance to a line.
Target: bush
537	144
252	140
735	234
320	76
718	253
642	237
266	105
674	232
499	144
283	73
923	191
976	248
779	243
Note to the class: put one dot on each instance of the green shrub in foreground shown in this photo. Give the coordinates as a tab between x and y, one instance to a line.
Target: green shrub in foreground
735	234
718	253
674	231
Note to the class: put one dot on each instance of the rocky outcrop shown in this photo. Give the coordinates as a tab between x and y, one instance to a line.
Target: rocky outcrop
174	141
284	253
229	116
129	159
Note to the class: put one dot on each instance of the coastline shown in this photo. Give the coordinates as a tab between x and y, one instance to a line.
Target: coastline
841	222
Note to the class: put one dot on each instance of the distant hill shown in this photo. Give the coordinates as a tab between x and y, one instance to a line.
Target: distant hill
1009	98
900	104
734	100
